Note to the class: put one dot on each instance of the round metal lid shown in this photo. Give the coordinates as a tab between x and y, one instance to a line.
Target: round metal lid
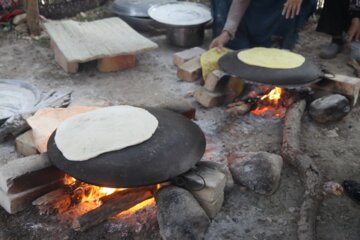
134	8
176	146
303	75
180	13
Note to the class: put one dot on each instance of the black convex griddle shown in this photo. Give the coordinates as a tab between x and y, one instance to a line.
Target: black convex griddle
306	74
176	146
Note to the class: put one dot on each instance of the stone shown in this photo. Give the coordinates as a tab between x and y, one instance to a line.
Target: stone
69	67
179	215
180	58
214	79
21	174
117	63
336	83
258	171
213	99
190	71
25	145
17	202
19	19
207	185
222	168
180	106
329	108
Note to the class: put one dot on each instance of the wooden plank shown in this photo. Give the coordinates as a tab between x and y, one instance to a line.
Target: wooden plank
86	41
349	86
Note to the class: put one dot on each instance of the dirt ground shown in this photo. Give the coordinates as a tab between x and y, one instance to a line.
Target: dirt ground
245	215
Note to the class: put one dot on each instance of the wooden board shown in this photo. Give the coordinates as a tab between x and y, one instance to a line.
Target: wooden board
85	41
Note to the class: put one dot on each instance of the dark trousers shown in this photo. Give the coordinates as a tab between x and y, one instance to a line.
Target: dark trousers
335	17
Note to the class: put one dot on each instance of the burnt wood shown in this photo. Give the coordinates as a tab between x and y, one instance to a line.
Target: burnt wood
305	74
112	205
176	146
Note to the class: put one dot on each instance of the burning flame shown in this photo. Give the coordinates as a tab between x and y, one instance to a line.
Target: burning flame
269	104
86	193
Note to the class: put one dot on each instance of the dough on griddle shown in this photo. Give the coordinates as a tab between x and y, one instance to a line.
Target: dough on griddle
90	134
271	58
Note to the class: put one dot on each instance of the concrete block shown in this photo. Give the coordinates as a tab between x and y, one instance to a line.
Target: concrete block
180	58
17	202
213	99
213	80
190	71
61	60
29	172
117	63
25	144
348	86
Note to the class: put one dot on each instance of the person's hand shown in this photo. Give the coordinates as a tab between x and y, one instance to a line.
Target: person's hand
353	33
220	40
291	8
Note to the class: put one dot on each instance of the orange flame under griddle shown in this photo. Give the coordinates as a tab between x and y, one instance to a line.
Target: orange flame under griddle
84	192
270	105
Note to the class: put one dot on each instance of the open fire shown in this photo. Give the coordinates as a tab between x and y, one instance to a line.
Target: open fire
86	193
271	104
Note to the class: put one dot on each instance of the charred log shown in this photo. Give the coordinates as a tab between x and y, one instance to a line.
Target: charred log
304	165
112	205
57	201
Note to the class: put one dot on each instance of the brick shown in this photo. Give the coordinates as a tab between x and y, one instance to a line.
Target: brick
214	79
117	63
213	99
61	60
180	106
348	86
21	174
190	71
17	202
180	58
25	144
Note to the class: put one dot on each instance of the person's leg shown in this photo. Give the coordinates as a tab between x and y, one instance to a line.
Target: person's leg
334	20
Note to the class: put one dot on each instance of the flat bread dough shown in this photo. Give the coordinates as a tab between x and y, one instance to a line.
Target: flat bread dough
271	58
90	134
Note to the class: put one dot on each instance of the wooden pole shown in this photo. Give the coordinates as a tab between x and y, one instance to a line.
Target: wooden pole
33	17
309	172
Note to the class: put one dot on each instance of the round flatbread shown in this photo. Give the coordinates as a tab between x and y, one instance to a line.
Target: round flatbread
271	58
90	134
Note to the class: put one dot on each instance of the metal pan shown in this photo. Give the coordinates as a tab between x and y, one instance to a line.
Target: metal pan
177	145
290	78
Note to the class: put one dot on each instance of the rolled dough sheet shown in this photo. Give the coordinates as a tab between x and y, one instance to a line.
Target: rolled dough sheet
90	134
271	58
